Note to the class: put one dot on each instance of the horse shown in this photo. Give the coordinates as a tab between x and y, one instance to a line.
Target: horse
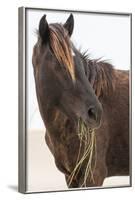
84	104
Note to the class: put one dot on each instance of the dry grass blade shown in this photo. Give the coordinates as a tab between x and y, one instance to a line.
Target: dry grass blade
87	143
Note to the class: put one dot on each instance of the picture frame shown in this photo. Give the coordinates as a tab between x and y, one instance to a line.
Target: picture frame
25	18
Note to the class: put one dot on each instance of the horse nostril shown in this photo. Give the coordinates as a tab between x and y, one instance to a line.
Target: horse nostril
92	113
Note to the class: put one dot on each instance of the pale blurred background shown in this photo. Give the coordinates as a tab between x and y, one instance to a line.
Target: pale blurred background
106	36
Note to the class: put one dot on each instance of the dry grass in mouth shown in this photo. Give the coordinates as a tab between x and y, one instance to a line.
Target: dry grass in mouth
88	140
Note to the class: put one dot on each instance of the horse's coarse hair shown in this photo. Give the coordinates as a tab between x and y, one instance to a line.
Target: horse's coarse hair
100	73
101	76
61	46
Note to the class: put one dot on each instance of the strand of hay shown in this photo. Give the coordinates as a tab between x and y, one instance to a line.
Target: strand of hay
89	165
88	141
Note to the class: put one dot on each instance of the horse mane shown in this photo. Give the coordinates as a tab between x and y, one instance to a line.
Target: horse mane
101	75
61	47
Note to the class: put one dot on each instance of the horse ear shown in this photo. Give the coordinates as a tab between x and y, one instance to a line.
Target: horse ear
44	29
69	25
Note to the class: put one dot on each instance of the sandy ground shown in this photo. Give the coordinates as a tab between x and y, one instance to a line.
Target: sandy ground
42	172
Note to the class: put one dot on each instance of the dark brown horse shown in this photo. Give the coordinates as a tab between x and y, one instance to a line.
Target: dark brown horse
85	108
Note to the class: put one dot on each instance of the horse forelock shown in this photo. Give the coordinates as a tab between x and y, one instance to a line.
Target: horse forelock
62	48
